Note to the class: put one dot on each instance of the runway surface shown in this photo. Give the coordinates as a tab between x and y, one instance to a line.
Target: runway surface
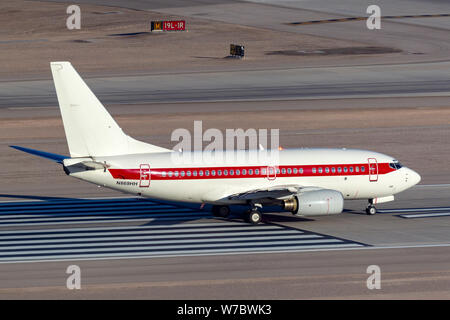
161	232
427	79
175	252
133	248
100	228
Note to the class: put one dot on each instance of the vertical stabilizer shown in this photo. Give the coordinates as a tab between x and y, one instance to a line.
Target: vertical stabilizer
90	129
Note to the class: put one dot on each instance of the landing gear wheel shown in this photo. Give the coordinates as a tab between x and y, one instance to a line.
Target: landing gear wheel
371	210
253	216
221	211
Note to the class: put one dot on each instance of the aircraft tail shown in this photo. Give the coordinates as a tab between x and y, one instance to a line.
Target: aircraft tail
90	129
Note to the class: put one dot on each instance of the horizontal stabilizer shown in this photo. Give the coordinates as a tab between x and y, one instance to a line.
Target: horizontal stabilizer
52	156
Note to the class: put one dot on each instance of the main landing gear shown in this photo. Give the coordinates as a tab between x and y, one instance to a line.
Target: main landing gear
253	215
371	210
221	211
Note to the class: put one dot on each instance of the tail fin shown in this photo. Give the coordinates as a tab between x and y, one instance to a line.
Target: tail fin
90	129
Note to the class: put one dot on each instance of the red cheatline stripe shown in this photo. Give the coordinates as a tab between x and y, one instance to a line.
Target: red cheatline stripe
249	172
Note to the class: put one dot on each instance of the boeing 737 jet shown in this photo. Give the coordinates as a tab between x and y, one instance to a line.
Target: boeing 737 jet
306	182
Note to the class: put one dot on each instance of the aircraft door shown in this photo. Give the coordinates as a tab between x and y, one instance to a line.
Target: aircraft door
144	176
271	172
373	169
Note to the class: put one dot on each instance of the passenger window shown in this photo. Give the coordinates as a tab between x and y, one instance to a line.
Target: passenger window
363	168
182	173
250	171
289	170
231	172
176	173
200	173
163	173
351	169
195	173
207	173
339	169
170	173
327	170
263	172
238	172
188	173
283	171
320	170
301	170
278	170
225	172
295	170
213	172
244	172
345	169
257	171
219	172
356	169
333	170
313	170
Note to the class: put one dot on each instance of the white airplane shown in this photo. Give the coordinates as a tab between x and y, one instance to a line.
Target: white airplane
306	182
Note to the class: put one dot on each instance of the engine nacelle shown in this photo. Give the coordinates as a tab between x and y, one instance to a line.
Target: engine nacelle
315	203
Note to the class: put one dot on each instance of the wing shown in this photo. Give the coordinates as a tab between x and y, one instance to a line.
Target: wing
275	192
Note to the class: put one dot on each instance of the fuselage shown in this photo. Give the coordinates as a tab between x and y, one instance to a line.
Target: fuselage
357	174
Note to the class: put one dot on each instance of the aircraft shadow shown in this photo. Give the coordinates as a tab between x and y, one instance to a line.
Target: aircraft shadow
99	210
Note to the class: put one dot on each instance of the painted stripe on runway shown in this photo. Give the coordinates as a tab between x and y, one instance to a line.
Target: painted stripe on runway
432	209
148	220
185	253
176	228
425	215
413	213
146	242
88	211
72	200
82	207
161	248
114	215
163	233
154	233
127	237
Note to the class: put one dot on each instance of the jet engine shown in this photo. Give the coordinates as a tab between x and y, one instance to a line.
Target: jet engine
315	203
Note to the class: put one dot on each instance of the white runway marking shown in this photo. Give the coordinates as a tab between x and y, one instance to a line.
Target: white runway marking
413	213
425	215
163	234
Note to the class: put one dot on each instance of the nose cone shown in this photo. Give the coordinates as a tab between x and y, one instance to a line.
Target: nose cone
413	177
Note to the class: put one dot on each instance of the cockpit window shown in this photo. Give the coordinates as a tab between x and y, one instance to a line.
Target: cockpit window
395	165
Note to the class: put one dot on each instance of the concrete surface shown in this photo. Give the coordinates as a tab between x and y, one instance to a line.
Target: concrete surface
394	103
